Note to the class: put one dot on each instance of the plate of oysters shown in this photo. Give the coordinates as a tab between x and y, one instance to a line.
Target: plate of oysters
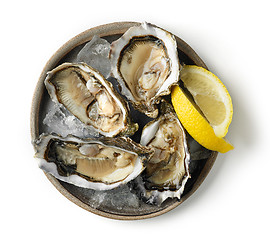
127	121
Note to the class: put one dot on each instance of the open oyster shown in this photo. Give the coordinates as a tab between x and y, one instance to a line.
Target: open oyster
89	97
146	64
99	164
167	171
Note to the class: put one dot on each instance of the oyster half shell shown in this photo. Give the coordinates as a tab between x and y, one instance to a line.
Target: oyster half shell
145	62
99	164
89	97
167	171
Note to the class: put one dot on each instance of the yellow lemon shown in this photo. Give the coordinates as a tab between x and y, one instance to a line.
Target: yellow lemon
210	95
195	122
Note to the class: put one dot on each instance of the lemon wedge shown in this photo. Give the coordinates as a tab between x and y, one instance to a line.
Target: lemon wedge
211	96
206	110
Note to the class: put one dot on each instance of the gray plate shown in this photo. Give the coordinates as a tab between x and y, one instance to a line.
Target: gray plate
86	198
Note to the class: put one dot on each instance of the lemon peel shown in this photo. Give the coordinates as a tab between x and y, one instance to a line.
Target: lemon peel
195	123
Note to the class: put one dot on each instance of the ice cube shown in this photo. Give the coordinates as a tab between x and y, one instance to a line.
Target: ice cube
121	198
60	121
96	54
97	198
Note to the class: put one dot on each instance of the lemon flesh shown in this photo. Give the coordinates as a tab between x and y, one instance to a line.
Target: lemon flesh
211	96
195	123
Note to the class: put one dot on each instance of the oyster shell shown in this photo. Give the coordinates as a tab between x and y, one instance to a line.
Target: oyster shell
167	171
89	97
145	62
99	164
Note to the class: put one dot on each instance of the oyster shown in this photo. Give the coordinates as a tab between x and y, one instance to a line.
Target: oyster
145	62
99	164
89	97
167	171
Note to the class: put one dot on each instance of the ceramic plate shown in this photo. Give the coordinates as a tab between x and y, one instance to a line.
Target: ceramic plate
110	203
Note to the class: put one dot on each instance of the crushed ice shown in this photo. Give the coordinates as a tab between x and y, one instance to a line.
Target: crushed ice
60	121
119	198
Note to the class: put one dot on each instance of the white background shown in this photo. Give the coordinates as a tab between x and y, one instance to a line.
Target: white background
232	37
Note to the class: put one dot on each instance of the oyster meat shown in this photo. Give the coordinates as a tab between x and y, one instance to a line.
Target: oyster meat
145	62
89	97
99	164
167	171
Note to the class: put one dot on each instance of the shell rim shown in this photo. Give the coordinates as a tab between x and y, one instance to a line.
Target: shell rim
114	28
